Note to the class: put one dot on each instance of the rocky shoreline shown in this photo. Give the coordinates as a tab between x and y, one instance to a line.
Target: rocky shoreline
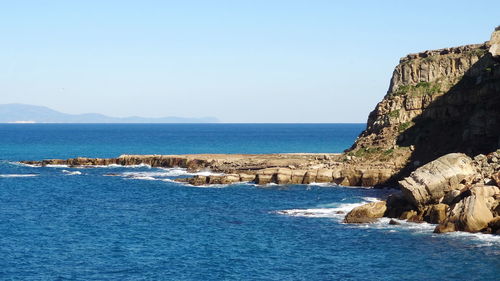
290	168
455	192
442	108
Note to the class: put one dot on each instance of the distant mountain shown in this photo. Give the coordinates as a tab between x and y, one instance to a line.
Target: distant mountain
23	113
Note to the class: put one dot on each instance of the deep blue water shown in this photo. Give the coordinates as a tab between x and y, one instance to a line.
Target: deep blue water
59	223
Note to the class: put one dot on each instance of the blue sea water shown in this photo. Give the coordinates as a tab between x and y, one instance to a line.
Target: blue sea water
61	223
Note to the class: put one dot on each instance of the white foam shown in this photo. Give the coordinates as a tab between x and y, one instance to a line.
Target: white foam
174	172
370	199
56	166
205	173
484	240
324	184
143	178
205	185
17	175
25	165
337	212
163	173
71	172
142	165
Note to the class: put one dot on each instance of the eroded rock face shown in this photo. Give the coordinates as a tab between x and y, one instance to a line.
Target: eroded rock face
429	183
366	213
438	101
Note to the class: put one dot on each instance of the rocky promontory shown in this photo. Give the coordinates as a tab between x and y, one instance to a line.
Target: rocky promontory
435	135
442	110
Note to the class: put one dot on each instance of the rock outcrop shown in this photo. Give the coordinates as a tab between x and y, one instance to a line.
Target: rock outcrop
438	102
429	183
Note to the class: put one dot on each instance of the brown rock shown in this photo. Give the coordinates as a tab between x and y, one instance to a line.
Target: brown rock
324	175
309	177
445	227
393	222
397	205
471	214
496	178
408	214
366	213
283	176
429	183
437	213
263	179
247	177
298	176
494	224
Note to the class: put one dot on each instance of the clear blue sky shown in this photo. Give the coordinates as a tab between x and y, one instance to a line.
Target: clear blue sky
240	61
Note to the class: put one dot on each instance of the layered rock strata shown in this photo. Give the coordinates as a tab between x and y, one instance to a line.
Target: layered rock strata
438	102
299	168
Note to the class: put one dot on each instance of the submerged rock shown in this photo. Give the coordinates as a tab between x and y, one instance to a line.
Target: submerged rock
393	222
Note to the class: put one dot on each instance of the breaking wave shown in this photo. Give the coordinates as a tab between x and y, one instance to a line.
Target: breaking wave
17	175
69	173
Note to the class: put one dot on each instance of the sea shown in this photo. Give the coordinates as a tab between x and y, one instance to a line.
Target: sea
76	223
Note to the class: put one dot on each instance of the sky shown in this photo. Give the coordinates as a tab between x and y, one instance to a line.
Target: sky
308	61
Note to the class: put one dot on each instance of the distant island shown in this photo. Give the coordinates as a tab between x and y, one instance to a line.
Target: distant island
23	113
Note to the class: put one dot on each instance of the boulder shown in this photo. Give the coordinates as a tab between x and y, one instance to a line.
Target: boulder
429	183
471	214
496	178
450	197
366	213
397	205
408	215
445	227
489	193
495	225
437	213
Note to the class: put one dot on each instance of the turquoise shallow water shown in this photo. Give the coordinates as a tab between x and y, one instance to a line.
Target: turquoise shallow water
60	223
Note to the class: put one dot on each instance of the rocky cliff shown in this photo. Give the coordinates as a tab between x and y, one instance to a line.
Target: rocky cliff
438	102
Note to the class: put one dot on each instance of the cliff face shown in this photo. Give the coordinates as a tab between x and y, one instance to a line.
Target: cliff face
438	102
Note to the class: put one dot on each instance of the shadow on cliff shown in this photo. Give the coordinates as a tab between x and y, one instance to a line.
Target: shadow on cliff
464	119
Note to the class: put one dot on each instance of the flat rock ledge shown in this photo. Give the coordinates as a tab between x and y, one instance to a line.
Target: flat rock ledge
289	168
